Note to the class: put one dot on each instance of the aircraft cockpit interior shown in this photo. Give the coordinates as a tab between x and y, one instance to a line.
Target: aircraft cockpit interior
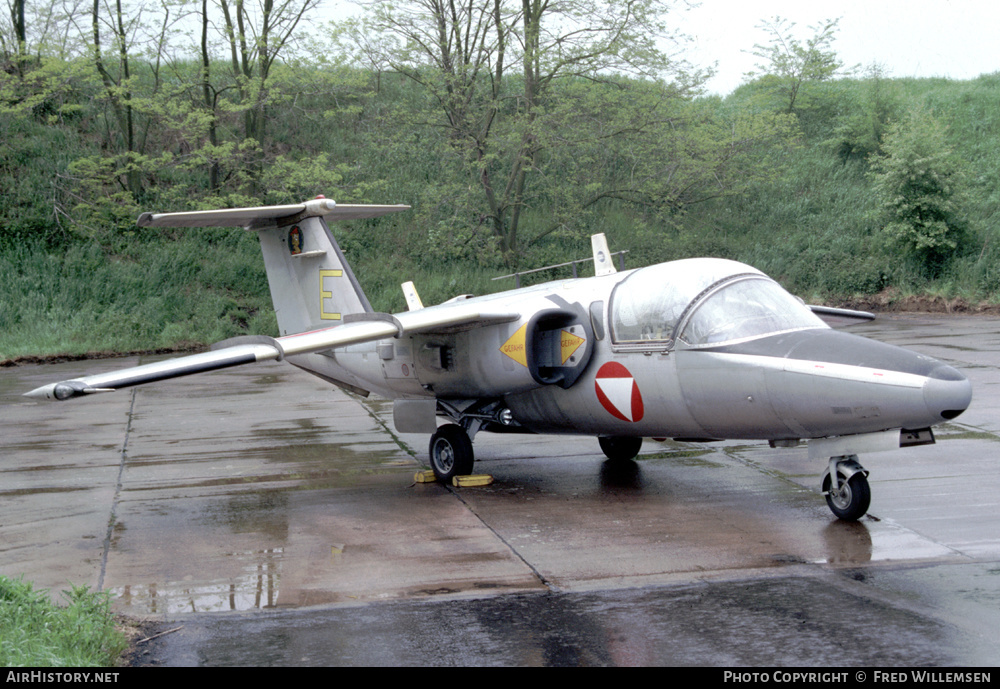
703	301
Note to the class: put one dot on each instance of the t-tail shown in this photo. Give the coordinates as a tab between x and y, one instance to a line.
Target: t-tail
312	284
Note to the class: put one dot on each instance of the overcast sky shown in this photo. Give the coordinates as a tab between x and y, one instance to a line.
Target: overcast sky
959	39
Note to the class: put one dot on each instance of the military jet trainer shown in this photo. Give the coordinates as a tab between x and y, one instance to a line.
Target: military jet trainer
700	348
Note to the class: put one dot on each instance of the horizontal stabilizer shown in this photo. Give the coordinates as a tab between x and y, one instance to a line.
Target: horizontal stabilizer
263	216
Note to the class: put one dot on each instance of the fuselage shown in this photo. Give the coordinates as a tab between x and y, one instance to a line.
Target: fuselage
702	348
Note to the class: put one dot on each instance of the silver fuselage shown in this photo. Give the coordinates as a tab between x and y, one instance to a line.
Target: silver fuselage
803	382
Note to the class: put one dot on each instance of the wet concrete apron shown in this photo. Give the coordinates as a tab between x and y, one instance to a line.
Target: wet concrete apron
278	522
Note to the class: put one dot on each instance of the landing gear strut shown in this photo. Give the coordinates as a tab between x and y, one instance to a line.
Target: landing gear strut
850	496
451	446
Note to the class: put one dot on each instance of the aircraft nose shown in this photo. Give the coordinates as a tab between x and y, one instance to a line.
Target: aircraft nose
947	392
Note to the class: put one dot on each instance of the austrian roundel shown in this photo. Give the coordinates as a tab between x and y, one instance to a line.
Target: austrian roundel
618	392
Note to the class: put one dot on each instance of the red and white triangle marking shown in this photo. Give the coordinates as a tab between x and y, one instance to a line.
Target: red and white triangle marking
618	392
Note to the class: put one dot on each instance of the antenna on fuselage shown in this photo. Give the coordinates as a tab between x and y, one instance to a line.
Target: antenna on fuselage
603	263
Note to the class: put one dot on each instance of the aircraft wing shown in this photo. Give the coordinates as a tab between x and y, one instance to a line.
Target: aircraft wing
356	328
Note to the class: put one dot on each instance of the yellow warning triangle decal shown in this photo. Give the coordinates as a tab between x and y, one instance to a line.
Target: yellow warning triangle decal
569	343
515	347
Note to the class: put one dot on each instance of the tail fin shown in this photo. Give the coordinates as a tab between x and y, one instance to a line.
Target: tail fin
312	285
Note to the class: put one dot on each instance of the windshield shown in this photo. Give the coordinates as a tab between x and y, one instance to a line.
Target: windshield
648	304
749	307
702	301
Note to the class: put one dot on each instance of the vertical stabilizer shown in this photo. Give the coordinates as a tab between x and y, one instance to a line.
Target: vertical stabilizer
312	285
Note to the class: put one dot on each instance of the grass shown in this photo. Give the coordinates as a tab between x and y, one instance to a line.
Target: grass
35	632
163	295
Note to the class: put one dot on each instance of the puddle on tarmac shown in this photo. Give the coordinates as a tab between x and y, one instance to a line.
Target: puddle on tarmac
253	505
289	461
679	452
254	587
262	512
854	543
846	543
21	492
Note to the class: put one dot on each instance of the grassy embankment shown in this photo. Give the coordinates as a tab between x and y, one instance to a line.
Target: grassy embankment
812	226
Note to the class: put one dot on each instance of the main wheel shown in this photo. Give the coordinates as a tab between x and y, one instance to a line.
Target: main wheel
620	448
451	452
852	500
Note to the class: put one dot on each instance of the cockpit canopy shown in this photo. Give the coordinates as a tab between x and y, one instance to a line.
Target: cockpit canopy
703	301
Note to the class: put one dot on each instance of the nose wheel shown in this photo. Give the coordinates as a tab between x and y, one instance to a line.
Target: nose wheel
851	495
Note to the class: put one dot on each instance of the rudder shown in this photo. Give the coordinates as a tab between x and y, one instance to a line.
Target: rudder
312	284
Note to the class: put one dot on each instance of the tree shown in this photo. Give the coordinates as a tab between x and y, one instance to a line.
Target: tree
492	66
255	46
210	98
20	37
788	63
118	90
862	128
920	185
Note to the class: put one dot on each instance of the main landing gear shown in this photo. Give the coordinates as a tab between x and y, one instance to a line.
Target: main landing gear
451	452
451	445
620	448
845	485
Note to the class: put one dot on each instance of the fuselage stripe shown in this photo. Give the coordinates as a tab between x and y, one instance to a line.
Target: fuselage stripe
826	369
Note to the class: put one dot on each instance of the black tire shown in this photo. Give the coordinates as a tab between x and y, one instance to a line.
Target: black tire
619	449
451	452
852	502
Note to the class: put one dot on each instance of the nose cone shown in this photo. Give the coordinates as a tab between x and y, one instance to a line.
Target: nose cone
947	392
837	383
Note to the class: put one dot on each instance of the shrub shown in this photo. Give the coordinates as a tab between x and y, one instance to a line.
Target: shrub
920	186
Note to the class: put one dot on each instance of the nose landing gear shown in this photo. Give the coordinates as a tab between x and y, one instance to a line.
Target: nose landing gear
845	485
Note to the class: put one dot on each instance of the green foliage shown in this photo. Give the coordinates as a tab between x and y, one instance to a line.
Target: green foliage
921	190
861	129
34	632
31	157
664	172
788	63
203	287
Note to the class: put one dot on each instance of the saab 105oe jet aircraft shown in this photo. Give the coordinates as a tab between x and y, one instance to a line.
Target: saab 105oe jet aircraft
699	348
